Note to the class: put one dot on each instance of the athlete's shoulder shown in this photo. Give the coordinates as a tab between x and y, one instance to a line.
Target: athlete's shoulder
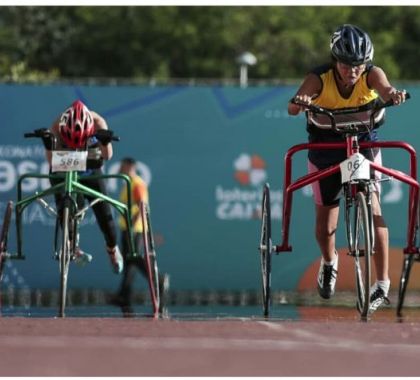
373	74
371	68
322	69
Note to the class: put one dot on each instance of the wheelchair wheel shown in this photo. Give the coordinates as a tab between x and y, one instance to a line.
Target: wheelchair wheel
64	258
150	259
265	249
408	262
4	236
360	235
405	276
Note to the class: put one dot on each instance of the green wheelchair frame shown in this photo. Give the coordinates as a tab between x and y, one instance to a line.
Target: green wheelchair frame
70	187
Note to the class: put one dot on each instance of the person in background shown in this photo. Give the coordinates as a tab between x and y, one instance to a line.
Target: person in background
139	193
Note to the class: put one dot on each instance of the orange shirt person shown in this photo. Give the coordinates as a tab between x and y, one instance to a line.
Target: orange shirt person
139	193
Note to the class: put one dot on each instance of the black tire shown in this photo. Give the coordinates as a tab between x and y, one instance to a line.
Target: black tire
360	239
64	259
408	261
151	261
405	276
4	236
265	249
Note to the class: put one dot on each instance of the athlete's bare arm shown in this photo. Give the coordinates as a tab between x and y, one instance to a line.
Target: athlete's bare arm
378	80
100	123
309	89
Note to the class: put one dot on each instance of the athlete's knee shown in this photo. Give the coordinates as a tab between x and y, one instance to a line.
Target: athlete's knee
325	231
379	221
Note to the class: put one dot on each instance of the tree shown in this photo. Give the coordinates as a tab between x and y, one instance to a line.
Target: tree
194	41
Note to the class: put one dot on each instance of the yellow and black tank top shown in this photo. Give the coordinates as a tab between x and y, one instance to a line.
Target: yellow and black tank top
330	98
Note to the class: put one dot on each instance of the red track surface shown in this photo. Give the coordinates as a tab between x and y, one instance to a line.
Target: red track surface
140	347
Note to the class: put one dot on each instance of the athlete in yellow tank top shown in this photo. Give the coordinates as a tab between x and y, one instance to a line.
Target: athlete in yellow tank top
350	80
330	96
333	96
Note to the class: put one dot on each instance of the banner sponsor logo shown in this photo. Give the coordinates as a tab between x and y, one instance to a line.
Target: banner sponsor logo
243	201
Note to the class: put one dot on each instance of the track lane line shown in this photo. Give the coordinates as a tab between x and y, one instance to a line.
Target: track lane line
204	343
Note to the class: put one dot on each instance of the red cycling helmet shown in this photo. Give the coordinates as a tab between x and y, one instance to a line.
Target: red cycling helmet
76	125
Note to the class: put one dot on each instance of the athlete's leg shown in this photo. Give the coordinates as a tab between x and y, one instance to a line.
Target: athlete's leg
105	220
325	228
103	213
381	247
379	291
127	281
381	241
325	194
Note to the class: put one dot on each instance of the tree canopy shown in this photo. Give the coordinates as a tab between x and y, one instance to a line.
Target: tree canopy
164	42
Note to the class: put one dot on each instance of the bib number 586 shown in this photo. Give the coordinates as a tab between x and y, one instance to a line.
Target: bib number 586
64	161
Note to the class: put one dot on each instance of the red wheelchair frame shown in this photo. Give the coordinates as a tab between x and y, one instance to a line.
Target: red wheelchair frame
352	146
289	187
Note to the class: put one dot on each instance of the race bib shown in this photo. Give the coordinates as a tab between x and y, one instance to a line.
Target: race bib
66	161
354	168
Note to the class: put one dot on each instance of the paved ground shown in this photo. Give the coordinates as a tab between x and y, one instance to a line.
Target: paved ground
325	345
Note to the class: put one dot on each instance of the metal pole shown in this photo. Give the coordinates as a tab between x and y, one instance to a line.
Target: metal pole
243	76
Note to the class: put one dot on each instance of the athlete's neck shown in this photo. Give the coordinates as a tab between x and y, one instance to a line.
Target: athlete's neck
344	88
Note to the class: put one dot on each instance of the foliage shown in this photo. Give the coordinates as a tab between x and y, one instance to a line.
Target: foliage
164	42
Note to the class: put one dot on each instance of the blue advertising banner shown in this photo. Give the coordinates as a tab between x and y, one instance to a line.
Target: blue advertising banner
205	153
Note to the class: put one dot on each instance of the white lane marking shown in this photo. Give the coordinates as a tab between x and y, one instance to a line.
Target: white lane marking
298	332
204	343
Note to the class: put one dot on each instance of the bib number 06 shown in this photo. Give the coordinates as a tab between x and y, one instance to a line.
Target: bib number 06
354	168
64	161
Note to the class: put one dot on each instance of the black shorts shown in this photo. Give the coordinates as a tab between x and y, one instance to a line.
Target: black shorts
327	191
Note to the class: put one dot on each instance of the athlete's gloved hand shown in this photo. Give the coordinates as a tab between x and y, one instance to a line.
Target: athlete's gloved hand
104	136
46	136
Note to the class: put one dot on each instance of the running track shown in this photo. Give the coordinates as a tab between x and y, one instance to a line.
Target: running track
223	347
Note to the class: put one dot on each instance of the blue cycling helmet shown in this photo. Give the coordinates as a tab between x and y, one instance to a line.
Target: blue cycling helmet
351	45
